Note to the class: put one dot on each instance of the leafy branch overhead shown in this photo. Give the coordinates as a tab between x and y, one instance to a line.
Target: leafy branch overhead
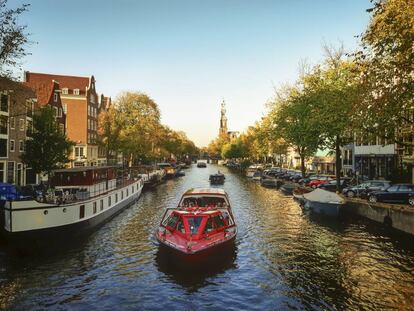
13	38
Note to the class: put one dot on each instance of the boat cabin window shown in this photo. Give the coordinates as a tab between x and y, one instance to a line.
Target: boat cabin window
171	221
194	224
180	226
204	202
214	223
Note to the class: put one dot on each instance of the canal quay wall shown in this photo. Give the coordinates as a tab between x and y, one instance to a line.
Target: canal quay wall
397	216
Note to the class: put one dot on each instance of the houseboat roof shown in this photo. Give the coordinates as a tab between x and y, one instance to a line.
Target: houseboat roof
218	191
82	169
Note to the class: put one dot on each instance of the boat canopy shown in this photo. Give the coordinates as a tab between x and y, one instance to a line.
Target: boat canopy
323	196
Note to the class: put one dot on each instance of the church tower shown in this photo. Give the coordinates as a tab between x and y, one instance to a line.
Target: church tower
223	121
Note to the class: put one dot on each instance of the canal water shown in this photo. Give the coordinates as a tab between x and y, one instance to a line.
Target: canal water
283	260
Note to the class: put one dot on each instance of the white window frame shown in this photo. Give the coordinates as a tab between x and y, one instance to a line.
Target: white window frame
55	97
65	108
75	91
12	123
21	124
21	146
65	91
12	143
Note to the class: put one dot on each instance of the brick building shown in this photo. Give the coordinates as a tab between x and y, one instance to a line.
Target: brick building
80	104
17	104
48	93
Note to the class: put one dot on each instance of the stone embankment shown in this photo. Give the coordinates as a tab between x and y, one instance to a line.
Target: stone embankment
397	216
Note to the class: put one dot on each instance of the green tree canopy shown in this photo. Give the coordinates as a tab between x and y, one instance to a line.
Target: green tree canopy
48	148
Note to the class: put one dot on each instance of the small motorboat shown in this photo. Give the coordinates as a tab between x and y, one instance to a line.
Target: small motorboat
270	182
287	188
202	224
323	202
217	179
201	164
299	192
257	175
252	169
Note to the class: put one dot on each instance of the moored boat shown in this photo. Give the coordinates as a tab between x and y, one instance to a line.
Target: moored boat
170	170
82	199
287	188
323	202
202	224
252	169
217	179
299	192
201	164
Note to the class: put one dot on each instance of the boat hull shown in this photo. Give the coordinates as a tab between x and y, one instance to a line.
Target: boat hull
287	189
325	209
199	256
69	232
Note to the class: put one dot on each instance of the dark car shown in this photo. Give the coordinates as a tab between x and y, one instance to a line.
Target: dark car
331	186
399	193
364	189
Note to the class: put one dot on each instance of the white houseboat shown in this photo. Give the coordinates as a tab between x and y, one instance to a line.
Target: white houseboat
83	198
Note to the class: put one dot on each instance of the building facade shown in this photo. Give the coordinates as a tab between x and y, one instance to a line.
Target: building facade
80	103
17	104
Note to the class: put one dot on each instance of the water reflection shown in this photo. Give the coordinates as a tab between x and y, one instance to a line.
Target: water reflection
282	259
198	274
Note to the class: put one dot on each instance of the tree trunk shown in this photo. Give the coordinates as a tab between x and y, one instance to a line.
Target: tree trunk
338	163
302	165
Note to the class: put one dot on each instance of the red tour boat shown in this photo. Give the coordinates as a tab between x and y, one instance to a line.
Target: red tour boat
202	224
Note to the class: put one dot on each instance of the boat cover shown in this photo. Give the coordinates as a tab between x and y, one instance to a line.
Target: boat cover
323	196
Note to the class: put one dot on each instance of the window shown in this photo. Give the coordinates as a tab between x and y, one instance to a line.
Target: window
76	92
171	221
3	148
60	112
404	188
12	123
65	108
3	125
109	201
127	192
21	124
94	207
116	197
122	194
21	145
62	127
89	124
92	98
55	97
392	189
101	205
4	103
194	223
10	172
12	145
65	91
29	128
81	211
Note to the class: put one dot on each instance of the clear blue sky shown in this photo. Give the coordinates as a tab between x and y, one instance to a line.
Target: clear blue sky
189	55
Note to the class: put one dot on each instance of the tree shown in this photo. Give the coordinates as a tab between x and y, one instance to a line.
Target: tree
48	148
13	38
335	87
140	125
294	121
109	130
387	65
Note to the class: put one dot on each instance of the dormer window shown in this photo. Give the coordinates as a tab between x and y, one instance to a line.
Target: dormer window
92	98
65	91
55	97
76	92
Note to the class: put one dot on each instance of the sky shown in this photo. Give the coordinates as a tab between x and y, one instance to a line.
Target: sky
190	55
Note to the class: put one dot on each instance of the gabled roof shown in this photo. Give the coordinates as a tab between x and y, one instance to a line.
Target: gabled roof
44	90
70	82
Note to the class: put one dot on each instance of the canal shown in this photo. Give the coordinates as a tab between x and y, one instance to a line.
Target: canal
282	260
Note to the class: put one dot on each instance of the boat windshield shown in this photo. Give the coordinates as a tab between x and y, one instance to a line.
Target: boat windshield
194	224
204	202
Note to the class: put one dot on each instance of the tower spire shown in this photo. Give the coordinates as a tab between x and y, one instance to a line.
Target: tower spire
223	120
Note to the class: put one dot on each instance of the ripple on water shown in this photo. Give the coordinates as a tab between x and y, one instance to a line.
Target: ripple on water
282	260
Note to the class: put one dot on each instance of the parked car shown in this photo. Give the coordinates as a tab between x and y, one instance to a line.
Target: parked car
331	185
399	193
364	189
321	180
